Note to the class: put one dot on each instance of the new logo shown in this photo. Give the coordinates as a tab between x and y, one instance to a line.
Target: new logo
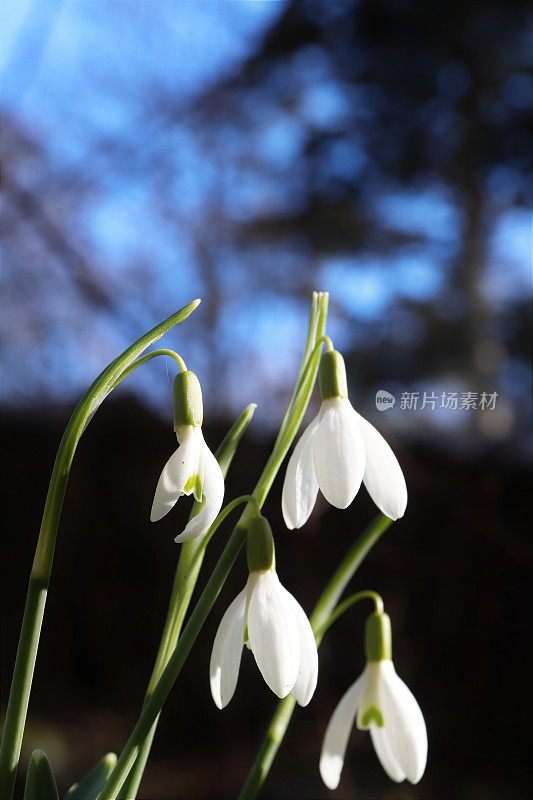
384	400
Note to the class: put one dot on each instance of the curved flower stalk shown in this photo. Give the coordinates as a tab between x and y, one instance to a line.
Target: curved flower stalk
109	378
192	469
382	704
337	452
268	619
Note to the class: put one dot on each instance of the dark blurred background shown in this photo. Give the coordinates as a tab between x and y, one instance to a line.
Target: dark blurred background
248	153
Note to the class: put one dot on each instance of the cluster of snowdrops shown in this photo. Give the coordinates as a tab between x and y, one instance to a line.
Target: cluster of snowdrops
337	452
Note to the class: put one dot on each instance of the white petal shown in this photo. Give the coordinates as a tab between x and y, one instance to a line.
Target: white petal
227	651
385	754
273	634
300	487
213	491
182	464
404	724
383	476
338	452
370	701
305	685
249	589
338	733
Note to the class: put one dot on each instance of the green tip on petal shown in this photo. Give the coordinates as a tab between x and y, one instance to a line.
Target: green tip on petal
194	484
372	715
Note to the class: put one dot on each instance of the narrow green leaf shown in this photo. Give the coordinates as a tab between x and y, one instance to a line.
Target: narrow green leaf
90	786
106	380
82	415
230	442
40	781
15	718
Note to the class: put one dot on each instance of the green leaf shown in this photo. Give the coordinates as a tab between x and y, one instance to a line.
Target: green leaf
83	413
229	444
90	786
103	384
40	781
15	718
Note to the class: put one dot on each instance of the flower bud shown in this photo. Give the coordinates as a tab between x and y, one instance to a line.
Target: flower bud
378	637
260	551
332	375
188	406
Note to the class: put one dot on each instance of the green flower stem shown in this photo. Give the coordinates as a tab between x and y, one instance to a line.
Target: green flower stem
329	344
44	554
148	357
345	571
342	608
299	400
179	602
308	368
155	702
178	655
178	605
319	618
187	572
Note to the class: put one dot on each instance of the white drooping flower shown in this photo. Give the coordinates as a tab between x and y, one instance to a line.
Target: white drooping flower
270	621
337	452
383	704
192	469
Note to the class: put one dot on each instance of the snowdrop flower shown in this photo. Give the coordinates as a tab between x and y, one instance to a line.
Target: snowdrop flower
384	705
337	451
267	618
192	469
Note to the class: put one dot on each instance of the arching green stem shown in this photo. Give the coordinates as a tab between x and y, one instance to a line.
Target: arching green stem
148	357
44	553
342	608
